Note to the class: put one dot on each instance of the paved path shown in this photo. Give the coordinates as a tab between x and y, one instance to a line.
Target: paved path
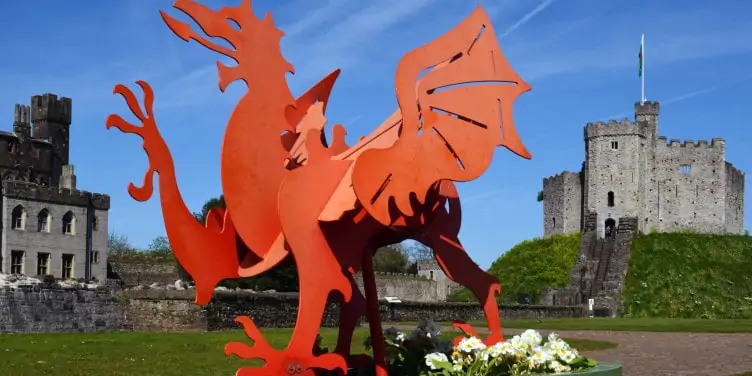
668	354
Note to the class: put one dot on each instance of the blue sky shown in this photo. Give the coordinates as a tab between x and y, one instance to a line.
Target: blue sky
580	56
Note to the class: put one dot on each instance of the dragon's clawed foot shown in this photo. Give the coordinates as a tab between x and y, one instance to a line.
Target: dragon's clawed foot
147	131
278	362
492	339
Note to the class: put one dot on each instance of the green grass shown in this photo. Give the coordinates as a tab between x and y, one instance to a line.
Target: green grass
531	266
685	275
147	354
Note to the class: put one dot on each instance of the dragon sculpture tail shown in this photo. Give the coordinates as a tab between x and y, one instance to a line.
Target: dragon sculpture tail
193	244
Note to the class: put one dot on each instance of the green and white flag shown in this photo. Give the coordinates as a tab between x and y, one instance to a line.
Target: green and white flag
641	56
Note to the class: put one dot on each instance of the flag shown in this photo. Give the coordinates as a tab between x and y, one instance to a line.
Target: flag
640	56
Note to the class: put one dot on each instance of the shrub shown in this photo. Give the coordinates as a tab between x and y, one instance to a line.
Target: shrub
531	266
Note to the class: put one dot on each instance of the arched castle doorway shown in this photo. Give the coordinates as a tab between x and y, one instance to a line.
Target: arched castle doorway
609	228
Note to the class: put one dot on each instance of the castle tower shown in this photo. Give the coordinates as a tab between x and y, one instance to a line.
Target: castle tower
646	116
22	122
615	171
51	117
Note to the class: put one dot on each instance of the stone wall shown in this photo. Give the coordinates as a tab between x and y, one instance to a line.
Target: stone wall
36	309
173	310
143	269
562	203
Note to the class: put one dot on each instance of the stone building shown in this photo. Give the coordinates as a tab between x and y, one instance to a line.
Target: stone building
444	286
48	226
631	172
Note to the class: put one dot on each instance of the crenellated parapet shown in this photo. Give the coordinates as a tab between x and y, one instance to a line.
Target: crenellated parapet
560	178
72	197
647	108
612	128
699	144
734	174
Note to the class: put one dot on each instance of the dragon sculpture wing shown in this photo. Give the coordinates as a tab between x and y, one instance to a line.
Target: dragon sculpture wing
452	120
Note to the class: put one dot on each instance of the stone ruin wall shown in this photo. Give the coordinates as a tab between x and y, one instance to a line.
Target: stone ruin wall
143	270
53	309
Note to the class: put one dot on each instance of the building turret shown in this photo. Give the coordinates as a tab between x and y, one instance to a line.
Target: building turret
22	121
51	117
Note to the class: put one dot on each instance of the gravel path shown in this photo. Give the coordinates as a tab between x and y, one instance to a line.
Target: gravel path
668	354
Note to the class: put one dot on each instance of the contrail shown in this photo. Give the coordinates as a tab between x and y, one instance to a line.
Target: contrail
542	6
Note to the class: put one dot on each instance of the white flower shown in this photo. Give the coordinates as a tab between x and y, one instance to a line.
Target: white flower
567	356
558	367
470	344
553	337
540	356
532	337
433	358
457	367
401	337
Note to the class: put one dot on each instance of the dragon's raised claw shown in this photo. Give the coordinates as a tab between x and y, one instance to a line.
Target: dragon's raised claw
292	364
147	131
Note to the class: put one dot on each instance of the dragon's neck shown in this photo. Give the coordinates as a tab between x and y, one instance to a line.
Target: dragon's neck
252	163
175	211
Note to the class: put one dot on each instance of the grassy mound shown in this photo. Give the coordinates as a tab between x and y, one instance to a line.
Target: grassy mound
531	266
684	275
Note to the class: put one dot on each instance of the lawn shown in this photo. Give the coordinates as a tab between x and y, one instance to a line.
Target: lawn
147	354
627	324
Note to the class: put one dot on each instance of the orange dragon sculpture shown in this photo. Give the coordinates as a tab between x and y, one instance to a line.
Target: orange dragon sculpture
288	190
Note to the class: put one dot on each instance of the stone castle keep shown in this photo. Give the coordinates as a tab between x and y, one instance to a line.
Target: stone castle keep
631	172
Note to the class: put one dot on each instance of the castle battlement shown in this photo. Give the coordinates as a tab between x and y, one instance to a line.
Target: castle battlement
73	197
734	174
561	177
48	107
629	171
699	144
647	108
613	127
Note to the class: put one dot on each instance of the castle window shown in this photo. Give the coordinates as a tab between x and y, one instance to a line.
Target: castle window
610	199
615	145
431	274
43	221
67	266
18	218
95	224
69	223
685	169
95	257
43	263
553	219
17	262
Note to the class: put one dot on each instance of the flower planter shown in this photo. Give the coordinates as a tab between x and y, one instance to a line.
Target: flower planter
603	369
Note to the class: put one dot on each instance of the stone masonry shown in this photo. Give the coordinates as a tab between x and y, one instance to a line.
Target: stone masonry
48	226
53	309
600	271
629	171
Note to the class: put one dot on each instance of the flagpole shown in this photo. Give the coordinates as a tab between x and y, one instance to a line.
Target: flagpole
642	96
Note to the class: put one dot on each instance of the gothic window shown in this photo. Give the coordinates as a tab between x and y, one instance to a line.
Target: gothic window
43	221
69	223
610	199
95	257
18	218
685	169
615	145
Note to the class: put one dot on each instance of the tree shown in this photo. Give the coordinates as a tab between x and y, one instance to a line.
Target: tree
390	259
211	203
417	251
118	244
541	196
160	245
